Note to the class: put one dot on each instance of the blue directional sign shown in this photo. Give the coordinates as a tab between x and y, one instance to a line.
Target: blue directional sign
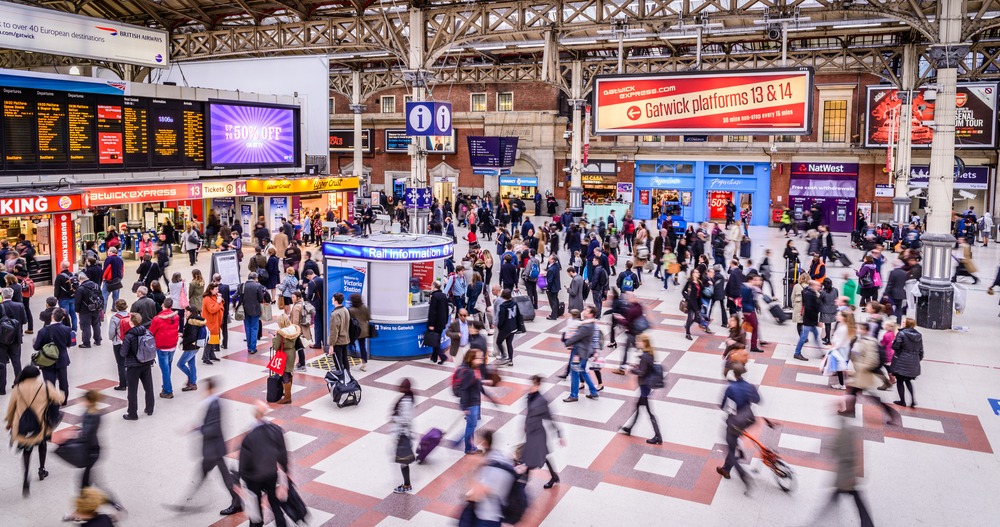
995	404
418	198
480	171
428	118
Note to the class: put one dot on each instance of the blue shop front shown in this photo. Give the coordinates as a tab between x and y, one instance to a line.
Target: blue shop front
690	190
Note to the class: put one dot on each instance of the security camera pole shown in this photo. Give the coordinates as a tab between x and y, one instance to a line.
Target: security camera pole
904	131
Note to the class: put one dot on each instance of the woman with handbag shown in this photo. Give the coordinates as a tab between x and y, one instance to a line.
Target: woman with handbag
194	337
26	418
286	341
177	290
288	286
402	419
212	310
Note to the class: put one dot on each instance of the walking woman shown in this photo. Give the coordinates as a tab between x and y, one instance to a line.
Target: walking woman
359	311
692	296
288	286
536	442
88	435
867	281
469	377
909	351
835	362
828	308
31	394
402	419
212	311
189	348
645	372
177	290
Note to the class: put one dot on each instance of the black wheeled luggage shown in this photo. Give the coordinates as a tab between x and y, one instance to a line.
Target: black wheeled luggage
274	389
527	310
780	315
745	248
843	259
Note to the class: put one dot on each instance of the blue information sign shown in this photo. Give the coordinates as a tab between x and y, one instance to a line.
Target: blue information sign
418	198
428	118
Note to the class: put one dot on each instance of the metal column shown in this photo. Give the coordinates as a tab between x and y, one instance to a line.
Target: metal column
901	165
357	108
576	154
419	218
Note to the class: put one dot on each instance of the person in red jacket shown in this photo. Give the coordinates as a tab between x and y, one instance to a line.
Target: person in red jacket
164	328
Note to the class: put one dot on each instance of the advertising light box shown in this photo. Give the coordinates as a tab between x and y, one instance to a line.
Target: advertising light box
252	135
765	102
975	116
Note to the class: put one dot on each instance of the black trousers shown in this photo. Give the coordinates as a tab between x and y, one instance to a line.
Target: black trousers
90	323
225	327
27	310
58	377
531	290
269	487
341	352
553	302
120	361
207	466
10	354
505	339
135	375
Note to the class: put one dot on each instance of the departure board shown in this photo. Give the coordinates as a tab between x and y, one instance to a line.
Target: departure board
136	126
110	131
19	129
193	116
166	131
81	118
51	113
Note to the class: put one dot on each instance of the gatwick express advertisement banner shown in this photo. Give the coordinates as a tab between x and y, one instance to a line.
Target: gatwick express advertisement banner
58	33
777	101
975	116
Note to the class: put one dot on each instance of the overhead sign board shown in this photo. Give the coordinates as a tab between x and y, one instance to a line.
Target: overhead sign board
342	141
428	118
55	32
970	178
492	151
975	116
418	198
388	254
766	102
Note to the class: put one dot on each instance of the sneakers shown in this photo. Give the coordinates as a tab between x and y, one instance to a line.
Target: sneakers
189	387
838	387
302	368
402	489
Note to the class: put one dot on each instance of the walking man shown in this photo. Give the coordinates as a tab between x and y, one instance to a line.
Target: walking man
11	336
213	448
264	467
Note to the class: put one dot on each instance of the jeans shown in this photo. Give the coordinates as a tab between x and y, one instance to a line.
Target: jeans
471	420
187	365
114	294
166	360
459	302
250	326
69	306
804	336
575	371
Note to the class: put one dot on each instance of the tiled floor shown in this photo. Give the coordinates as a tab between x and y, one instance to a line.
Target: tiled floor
937	468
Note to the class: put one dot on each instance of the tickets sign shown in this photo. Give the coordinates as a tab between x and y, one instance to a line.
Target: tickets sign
765	102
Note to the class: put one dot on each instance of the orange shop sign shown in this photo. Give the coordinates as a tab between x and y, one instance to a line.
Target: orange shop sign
104	196
28	205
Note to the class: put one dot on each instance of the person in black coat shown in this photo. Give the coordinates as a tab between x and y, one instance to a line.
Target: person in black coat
273	271
437	319
552	285
60	335
263	458
733	286
308	264
11	352
895	291
314	295
599	281
226	294
719	295
88	436
136	372
213	448
909	348
536	443
508	273
94	271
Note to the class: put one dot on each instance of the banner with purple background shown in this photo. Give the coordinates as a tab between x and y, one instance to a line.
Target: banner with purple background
253	135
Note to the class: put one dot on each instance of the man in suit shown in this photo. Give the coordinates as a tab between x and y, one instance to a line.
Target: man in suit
213	448
11	351
314	295
263	462
252	297
226	295
552	286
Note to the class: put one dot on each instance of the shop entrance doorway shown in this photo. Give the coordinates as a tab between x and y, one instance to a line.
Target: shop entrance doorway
746	205
443	190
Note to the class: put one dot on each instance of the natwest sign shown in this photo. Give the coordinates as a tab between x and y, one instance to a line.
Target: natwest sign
104	196
824	168
28	205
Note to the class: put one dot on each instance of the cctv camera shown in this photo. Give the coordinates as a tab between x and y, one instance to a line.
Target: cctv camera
567	134
914	192
966	194
930	95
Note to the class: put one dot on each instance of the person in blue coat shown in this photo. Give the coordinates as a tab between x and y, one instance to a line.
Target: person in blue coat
273	271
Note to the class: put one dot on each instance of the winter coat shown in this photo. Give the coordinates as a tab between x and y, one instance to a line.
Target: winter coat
865	356
20	401
828	307
340	323
363	316
165	328
575	289
212	313
195	291
189	342
188	241
273	272
909	351
536	442
284	340
797	303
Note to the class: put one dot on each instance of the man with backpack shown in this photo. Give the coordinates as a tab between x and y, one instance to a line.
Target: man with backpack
90	305
529	275
628	281
456	288
65	289
497	495
139	350
12	320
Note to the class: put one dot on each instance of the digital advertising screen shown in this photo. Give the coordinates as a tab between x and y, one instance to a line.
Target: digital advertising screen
396	141
975	116
252	135
342	141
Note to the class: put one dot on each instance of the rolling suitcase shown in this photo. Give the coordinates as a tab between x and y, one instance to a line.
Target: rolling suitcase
274	388
344	389
527	310
779	314
843	259
428	443
745	248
